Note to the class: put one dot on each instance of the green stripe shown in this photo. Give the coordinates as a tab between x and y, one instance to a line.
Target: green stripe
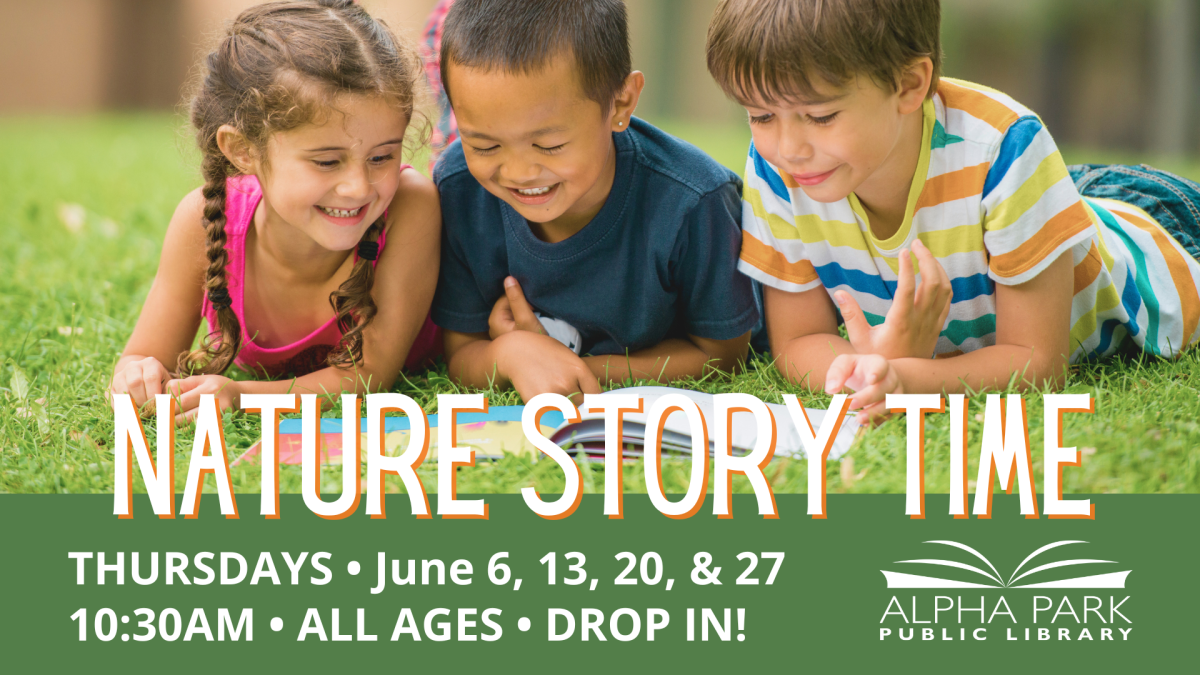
1142	281
873	319
957	331
940	138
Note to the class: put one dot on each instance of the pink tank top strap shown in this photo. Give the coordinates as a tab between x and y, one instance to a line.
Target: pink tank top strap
242	194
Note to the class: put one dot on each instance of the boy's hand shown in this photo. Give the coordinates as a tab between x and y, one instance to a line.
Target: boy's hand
872	378
189	389
513	312
916	317
539	364
141	379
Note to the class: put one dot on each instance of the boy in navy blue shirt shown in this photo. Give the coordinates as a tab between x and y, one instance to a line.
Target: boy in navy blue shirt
580	245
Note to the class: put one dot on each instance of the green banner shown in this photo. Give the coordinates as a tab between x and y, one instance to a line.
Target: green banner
860	590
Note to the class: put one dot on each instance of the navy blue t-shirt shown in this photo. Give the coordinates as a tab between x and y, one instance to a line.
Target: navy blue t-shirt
658	261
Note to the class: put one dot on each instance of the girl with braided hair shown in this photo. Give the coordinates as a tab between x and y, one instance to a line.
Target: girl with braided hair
311	250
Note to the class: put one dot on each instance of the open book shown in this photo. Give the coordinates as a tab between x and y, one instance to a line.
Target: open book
498	431
588	433
995	580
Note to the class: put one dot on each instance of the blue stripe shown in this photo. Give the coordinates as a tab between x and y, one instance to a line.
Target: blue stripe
834	275
1107	329
1016	141
1132	302
500	413
969	288
765	172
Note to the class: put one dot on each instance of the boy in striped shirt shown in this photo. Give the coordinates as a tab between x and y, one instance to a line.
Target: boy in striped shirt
865	164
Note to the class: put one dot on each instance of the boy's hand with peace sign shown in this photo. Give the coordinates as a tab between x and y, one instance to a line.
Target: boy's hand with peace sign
916	317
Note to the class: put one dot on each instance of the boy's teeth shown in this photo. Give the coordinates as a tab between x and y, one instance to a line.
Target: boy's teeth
533	192
341	213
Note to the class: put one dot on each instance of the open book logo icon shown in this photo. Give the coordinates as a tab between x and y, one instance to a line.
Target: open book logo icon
902	580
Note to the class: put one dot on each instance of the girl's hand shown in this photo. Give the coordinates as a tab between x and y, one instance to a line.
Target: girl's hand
539	364
142	379
872	378
512	312
916	317
189	390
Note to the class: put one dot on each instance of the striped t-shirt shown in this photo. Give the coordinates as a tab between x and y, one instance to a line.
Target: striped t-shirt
992	200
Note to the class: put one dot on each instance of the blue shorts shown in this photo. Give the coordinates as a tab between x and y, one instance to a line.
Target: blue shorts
1171	200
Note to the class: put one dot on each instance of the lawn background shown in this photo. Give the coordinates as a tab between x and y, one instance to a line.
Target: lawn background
88	199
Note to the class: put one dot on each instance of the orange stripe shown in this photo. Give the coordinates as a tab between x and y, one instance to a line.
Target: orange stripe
1088	269
1068	223
953	185
1184	284
772	262
788	180
978	105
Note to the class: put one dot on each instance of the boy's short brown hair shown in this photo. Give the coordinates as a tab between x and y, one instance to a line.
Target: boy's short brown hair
778	50
521	36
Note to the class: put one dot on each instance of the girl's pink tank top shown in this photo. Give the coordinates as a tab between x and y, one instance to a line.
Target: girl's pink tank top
308	354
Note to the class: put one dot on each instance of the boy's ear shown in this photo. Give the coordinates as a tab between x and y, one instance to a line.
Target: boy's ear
626	100
915	82
236	148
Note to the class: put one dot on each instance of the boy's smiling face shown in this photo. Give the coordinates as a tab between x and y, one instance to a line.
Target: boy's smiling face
537	142
847	139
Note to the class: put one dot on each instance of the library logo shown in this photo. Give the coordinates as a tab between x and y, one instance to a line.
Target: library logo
996	580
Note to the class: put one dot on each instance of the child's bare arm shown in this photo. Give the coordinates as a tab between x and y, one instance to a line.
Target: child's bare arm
804	335
171	313
672	359
529	362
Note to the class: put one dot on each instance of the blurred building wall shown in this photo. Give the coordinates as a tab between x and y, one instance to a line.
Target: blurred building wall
1101	73
70	56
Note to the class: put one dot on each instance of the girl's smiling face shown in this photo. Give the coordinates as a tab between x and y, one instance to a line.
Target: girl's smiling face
330	179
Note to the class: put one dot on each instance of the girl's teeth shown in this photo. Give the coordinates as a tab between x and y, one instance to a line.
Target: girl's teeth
533	192
341	213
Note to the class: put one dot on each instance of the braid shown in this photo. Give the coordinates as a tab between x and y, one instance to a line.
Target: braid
219	348
354	306
278	66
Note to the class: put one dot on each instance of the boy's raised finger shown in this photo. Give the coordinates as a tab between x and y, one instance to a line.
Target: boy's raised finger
857	326
501	321
521	310
903	300
934	282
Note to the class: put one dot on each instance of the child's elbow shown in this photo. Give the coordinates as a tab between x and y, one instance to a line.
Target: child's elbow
1045	372
727	356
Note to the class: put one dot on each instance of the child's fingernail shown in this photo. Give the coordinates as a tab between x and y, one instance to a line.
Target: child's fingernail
840	298
509	282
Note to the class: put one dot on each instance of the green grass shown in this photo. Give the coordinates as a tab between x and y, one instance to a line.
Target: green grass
69	300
